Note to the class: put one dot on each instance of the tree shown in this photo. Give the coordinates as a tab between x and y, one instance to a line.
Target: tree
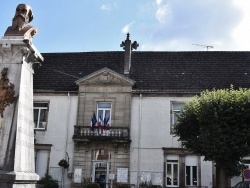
216	124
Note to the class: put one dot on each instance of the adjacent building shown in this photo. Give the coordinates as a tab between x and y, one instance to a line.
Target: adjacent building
111	114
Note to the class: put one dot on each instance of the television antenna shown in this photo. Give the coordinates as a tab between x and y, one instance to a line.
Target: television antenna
204	46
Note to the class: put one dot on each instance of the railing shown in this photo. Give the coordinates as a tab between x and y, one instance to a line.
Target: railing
114	133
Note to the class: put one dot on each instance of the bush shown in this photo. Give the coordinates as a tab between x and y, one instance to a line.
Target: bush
121	185
91	185
48	182
63	163
148	185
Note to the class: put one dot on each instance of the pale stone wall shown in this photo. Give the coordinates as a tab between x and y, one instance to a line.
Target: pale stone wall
150	132
61	120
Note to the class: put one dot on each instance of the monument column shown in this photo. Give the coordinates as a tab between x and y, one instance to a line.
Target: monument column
17	57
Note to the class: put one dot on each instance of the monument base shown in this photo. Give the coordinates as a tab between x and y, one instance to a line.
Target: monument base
18	180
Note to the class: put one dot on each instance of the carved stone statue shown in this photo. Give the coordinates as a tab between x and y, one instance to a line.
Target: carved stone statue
6	91
20	26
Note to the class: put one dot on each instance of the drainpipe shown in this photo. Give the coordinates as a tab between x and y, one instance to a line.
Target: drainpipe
67	131
139	142
66	141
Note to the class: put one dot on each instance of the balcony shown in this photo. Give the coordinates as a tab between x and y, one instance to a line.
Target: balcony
114	135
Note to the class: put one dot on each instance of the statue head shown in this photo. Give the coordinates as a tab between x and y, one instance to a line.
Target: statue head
22	17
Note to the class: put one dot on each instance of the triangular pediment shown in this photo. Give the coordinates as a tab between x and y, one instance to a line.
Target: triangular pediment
105	76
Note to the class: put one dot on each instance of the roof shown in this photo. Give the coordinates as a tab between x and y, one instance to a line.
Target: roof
152	71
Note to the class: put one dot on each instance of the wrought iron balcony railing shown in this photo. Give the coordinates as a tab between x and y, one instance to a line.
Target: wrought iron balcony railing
115	134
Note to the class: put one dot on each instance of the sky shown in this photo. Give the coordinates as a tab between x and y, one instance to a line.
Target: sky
157	25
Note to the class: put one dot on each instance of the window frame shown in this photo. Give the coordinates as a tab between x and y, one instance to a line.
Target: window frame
97	155
104	109
172	164
191	179
36	125
174	112
42	147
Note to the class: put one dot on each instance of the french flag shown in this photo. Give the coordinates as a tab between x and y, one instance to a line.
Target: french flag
100	125
93	122
106	123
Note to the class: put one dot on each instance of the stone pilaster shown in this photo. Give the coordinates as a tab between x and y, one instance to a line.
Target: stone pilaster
17	165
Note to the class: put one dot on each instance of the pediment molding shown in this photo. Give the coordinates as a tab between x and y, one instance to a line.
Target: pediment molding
105	77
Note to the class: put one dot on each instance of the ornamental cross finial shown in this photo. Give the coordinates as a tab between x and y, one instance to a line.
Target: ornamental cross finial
134	45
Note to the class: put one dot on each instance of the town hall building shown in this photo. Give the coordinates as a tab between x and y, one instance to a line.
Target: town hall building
111	114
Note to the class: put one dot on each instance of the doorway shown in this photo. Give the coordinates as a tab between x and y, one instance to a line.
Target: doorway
100	167
100	173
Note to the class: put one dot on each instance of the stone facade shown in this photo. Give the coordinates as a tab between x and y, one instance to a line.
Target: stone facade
103	86
83	155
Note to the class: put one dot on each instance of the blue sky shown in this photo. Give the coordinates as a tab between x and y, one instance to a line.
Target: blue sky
157	25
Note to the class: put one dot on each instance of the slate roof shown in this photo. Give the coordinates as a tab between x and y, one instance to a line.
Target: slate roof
152	71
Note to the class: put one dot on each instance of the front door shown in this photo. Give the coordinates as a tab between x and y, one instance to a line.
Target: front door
100	172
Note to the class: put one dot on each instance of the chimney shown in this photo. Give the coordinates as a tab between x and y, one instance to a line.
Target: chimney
128	47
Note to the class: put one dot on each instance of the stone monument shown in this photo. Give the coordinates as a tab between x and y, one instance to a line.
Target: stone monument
17	57
20	27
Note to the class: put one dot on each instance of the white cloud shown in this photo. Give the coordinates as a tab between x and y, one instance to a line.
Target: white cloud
127	27
178	24
109	7
158	2
163	13
241	34
106	7
183	44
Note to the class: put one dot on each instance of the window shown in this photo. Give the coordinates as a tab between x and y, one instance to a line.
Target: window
104	111
42	156
172	173
101	154
42	162
191	175
191	170
40	115
175	110
246	162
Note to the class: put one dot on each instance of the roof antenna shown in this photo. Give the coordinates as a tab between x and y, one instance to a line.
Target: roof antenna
204	46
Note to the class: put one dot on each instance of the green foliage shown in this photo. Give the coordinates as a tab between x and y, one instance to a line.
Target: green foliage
63	163
88	184
148	185
86	181
48	182
121	185
91	185
216	124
